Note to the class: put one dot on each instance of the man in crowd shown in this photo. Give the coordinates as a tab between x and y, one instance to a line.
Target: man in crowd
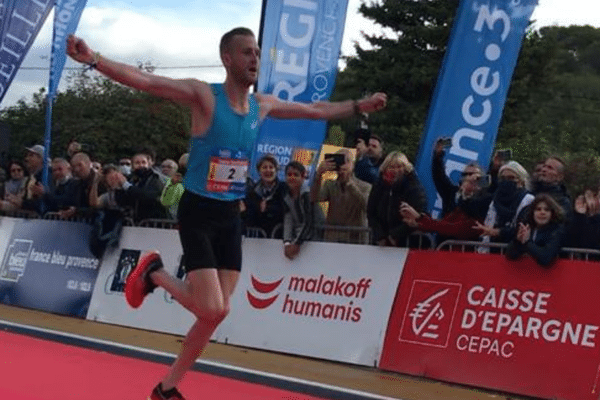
347	197
369	158
142	191
34	162
550	180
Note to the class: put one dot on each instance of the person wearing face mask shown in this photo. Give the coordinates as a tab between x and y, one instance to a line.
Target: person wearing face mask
125	166
540	234
141	192
471	200
508	204
397	183
264	200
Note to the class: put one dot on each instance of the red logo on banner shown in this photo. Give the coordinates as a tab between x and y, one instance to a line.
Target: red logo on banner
263	288
430	312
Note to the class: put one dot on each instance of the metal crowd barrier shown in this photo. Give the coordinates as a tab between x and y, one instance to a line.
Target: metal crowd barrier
573	253
467	246
158	223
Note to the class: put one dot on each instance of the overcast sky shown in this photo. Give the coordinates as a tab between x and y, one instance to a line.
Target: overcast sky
185	33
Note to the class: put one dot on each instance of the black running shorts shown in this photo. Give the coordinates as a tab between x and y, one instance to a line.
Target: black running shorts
210	232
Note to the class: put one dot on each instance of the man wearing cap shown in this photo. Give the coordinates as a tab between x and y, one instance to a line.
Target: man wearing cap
34	190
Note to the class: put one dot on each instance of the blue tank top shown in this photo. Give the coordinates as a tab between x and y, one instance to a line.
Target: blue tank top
218	161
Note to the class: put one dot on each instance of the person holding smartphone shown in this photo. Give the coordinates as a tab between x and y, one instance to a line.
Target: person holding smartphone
347	197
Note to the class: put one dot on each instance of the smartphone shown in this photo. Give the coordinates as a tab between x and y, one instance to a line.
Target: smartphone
339	159
504	154
445	142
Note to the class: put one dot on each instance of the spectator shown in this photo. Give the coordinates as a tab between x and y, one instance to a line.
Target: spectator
584	229
347	197
150	154
73	148
507	206
14	187
397	183
112	178
540	235
81	166
551	180
168	167
301	214
264	200
367	167
34	161
450	193
125	166
174	189
96	166
142	193
63	193
472	201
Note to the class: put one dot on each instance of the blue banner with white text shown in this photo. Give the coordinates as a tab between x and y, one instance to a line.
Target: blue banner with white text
20	24
66	18
472	86
48	266
300	48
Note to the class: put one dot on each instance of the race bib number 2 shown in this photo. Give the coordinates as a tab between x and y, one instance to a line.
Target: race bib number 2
227	175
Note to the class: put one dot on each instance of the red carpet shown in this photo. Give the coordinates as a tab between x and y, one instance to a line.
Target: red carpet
35	369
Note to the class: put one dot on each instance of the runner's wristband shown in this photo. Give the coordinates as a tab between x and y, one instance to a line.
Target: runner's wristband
94	63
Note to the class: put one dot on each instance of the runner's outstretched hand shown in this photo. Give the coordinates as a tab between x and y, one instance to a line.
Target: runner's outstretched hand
373	103
79	51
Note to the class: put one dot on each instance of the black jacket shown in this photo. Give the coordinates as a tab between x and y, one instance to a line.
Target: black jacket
544	244
383	207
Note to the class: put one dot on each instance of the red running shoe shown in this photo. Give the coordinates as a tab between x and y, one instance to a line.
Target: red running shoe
158	394
139	284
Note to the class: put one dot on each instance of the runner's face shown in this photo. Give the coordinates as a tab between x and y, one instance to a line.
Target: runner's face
244	58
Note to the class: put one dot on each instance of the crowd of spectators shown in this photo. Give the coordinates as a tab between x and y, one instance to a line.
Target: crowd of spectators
373	198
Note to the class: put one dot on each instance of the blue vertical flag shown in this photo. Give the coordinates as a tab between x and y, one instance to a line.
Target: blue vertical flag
66	18
472	87
20	24
300	41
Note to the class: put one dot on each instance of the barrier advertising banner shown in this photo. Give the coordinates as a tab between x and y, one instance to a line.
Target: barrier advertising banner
159	312
301	43
486	321
332	302
48	266
472	85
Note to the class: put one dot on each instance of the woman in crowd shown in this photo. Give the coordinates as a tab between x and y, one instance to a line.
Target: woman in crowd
508	204
541	233
14	187
397	183
264	200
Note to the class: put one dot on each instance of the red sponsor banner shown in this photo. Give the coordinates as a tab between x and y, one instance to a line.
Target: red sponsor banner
483	320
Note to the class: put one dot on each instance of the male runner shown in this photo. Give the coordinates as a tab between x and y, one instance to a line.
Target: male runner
224	127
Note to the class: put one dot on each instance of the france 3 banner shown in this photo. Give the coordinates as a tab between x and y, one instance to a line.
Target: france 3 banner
66	18
301	42
20	24
48	266
483	320
472	86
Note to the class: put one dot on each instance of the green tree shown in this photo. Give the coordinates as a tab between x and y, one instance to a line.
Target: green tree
113	120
